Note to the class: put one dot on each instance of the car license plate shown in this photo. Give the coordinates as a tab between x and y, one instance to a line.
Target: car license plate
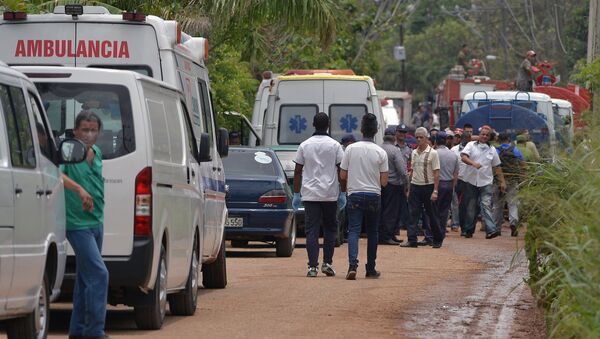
234	222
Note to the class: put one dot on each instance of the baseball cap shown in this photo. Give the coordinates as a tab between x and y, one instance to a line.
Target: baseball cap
402	128
441	137
458	131
531	53
449	133
390	131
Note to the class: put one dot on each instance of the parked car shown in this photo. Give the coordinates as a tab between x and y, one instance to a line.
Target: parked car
33	245
154	213
259	200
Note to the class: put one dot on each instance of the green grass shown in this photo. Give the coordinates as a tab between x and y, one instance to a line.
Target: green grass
561	205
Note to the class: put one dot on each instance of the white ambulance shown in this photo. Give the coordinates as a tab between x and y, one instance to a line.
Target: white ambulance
88	36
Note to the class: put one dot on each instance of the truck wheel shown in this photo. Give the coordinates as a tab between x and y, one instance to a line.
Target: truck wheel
285	247
185	302
214	275
239	243
152	317
36	323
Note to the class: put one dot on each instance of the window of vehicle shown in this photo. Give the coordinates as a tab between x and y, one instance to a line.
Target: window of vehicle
193	147
295	123
345	119
112	104
20	138
43	132
207	122
250	163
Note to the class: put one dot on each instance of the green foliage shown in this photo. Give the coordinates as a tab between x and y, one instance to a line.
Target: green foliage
588	75
563	237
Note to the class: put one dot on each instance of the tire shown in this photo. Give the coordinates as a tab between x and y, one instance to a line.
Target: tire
36	323
285	247
214	275
152	317
185	302
239	243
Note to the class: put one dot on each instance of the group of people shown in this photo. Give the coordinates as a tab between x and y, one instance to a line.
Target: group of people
450	175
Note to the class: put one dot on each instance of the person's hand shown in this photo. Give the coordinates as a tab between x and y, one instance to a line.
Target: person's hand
477	165
341	201
86	199
296	201
503	187
434	196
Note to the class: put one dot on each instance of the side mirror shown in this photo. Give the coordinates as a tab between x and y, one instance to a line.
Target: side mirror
204	152
223	142
71	151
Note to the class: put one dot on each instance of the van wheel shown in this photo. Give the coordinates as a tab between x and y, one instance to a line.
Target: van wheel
185	302
36	323
152	317
285	247
239	243
214	275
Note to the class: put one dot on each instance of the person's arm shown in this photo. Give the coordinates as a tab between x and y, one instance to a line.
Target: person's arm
86	198
436	184
383	178
342	182
465	158
500	177
343	177
297	178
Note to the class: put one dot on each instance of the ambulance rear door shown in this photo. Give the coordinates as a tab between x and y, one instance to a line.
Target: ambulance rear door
37	43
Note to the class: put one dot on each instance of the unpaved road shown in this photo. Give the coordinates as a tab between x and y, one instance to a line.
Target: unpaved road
468	288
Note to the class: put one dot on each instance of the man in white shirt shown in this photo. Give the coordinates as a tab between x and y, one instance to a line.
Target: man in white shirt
365	170
423	192
316	183
458	205
481	159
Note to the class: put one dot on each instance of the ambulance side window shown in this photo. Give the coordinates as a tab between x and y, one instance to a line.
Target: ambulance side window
207	121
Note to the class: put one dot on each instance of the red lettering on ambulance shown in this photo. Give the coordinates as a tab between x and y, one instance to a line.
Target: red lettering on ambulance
70	52
20	50
34	48
94	48
124	50
81	50
59	48
48	48
106	49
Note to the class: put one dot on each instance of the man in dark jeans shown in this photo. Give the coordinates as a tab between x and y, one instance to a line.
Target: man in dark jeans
316	184
423	192
365	169
392	195
448	177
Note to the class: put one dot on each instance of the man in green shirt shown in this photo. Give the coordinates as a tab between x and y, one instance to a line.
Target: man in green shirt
84	200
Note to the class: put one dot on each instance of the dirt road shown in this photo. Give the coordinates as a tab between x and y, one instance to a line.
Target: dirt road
468	288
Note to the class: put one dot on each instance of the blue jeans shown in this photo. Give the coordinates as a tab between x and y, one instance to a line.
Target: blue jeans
445	195
472	197
91	283
319	213
365	205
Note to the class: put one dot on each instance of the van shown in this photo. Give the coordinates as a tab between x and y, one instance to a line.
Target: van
90	37
153	199
563	122
33	245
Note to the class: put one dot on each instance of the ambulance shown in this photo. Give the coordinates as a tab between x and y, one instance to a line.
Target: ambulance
88	36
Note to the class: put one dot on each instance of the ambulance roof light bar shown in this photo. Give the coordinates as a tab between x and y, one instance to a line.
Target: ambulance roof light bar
134	16
74	10
320	71
14	16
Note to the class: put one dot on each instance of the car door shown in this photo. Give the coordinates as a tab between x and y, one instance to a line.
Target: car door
28	188
7	224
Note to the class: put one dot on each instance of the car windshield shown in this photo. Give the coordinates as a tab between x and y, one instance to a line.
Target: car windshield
250	163
112	104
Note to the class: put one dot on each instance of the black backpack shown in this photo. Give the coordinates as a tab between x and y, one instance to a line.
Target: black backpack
510	162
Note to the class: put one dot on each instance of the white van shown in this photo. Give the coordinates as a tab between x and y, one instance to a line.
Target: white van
563	122
153	202
90	37
33	246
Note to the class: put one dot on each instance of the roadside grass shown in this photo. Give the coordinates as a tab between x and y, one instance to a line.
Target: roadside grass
561	205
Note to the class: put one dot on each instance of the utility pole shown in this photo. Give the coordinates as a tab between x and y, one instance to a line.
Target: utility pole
594	44
402	62
504	34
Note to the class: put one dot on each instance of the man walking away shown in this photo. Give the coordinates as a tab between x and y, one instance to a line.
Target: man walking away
84	199
392	195
365	169
448	178
317	165
423	191
513	167
481	159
